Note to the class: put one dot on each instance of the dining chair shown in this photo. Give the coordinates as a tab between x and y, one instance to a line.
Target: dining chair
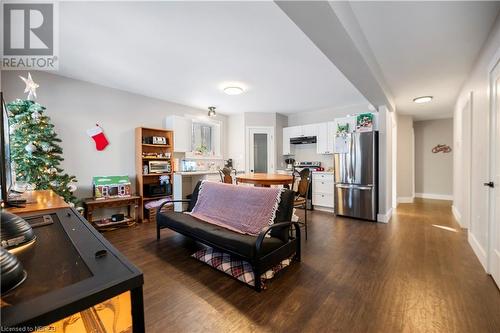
225	175
302	192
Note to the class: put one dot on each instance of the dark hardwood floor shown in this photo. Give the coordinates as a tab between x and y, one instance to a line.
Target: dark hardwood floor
411	275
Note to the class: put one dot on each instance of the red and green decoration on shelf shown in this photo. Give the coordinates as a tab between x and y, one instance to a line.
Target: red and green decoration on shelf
35	151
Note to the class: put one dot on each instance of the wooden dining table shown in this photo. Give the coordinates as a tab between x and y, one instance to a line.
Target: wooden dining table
265	179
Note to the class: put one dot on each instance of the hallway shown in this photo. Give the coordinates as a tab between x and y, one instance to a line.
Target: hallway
415	274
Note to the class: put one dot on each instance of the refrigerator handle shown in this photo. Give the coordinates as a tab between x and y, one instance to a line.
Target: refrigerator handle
352	157
366	188
355	158
357	187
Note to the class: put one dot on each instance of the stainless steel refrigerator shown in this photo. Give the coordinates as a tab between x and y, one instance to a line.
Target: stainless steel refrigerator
356	176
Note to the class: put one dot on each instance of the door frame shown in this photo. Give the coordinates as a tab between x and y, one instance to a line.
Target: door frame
494	66
269	130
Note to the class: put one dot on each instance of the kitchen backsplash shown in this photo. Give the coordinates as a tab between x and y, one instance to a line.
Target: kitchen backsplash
307	152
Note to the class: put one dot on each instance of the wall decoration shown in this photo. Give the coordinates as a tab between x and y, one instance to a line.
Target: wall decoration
342	128
364	122
441	149
31	87
97	133
342	143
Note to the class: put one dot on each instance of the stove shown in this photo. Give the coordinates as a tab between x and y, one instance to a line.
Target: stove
312	166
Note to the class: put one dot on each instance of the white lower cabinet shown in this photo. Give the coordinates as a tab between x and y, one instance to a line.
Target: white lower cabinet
323	200
322	190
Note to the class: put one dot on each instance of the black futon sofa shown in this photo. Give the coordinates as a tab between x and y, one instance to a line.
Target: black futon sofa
261	252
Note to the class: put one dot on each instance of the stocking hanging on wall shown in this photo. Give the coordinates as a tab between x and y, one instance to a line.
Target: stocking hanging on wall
100	139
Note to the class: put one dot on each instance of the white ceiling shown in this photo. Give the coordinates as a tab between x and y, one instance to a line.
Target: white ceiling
425	48
186	52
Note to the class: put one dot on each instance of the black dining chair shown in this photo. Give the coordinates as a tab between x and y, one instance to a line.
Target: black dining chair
302	192
225	175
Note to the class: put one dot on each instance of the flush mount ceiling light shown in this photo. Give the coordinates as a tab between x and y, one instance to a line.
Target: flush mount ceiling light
211	111
233	90
423	99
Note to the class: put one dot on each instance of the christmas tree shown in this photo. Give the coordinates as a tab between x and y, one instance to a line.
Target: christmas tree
35	152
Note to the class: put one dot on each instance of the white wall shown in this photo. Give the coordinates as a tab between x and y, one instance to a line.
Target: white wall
462	162
281	122
236	140
405	159
433	172
386	121
478	84
74	106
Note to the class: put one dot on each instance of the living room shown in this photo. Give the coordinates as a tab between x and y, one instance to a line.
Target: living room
173	130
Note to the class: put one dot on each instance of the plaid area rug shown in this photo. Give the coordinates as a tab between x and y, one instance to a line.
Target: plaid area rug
239	269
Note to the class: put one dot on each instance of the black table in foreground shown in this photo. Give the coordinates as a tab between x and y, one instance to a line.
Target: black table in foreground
77	281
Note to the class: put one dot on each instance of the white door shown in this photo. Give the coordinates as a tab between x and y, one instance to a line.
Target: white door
260	149
494	229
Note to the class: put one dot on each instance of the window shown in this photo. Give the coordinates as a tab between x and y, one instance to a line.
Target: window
201	140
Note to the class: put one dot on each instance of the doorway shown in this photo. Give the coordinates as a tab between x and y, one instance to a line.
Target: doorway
260	149
494	180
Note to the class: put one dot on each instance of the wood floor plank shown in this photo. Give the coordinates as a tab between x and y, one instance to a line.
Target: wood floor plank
415	274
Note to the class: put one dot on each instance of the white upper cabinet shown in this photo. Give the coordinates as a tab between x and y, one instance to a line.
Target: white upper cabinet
325	138
310	130
182	128
295	131
331	137
286	140
322	138
324	133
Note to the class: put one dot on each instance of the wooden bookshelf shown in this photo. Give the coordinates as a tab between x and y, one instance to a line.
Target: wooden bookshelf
141	149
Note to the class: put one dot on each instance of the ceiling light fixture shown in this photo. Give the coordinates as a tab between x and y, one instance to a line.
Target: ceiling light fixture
422	99
233	90
211	111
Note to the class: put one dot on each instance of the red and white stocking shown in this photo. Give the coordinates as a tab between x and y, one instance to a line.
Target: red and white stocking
100	139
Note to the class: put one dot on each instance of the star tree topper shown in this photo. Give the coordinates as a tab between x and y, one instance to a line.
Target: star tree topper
30	87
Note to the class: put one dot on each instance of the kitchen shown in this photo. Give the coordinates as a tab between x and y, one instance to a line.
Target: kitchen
302	145
347	145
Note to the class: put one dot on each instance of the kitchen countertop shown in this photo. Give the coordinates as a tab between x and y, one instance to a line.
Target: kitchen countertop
194	173
189	173
324	172
286	171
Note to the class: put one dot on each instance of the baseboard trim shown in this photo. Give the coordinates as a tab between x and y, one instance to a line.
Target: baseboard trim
434	196
385	218
478	250
324	209
456	215
406	199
